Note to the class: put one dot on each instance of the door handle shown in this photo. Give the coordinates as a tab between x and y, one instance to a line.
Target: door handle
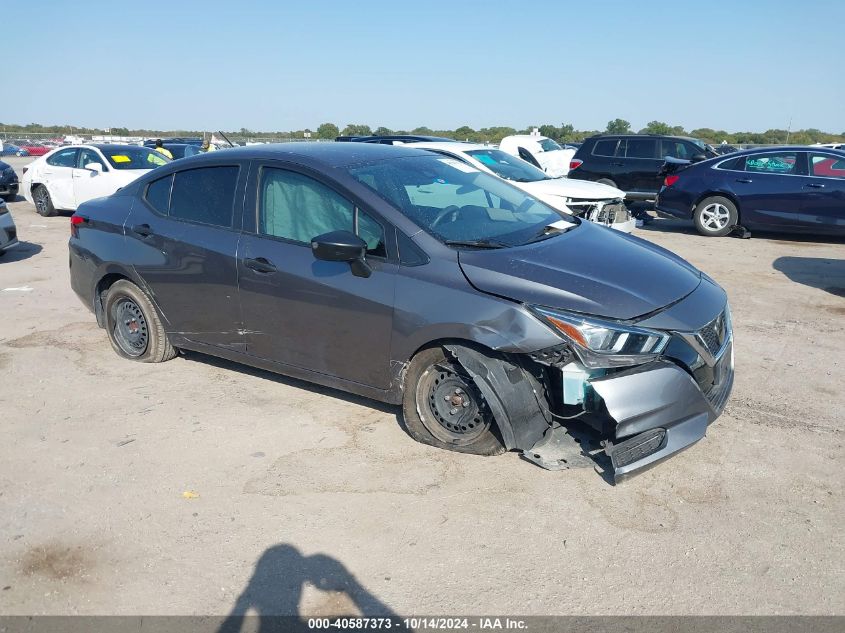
745	180
143	230
815	185
260	265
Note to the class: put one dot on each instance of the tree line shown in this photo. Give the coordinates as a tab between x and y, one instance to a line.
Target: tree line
563	133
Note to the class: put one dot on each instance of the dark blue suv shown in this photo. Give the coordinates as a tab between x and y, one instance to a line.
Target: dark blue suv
797	189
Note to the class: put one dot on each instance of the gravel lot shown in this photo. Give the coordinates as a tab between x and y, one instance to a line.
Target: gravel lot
199	486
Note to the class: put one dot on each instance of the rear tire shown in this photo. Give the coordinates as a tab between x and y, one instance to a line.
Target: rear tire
10	198
442	407
43	203
715	216
133	325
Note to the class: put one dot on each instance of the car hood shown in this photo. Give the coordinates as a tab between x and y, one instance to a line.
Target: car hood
583	189
588	269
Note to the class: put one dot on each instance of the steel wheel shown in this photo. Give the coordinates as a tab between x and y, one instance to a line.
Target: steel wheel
715	217
450	406
130	327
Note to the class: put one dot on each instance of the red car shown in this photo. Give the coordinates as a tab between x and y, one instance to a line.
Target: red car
36	149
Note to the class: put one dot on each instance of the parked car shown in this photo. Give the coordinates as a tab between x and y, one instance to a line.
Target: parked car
632	162
8	232
10	149
594	201
34	149
361	267
8	182
182	150
68	176
800	189
182	140
540	151
394	139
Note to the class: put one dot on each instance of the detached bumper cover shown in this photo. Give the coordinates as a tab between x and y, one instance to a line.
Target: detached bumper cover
659	410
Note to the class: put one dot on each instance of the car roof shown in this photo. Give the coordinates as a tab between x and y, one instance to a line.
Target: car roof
453	146
328	154
785	148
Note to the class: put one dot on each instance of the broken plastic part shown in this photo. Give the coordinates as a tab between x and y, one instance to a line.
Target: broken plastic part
515	397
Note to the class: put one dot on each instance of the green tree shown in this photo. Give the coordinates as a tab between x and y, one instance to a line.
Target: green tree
657	127
355	129
618	126
424	131
383	131
464	133
328	131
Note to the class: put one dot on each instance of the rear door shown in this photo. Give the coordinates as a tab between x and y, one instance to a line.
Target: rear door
602	163
57	175
823	207
770	190
300	311
182	237
641	163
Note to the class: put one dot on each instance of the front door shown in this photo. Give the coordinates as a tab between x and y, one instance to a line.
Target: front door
182	240
823	209
88	183
312	314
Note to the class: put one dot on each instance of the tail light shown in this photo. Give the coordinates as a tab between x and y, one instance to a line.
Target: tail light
75	222
575	164
670	180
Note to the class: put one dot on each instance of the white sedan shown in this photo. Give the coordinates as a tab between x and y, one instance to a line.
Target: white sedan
70	175
594	201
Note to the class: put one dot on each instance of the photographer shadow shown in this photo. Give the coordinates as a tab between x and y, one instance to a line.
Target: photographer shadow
275	590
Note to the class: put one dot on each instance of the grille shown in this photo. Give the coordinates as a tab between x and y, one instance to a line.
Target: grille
713	334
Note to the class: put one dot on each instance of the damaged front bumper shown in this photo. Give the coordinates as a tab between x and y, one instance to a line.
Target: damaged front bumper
659	410
613	214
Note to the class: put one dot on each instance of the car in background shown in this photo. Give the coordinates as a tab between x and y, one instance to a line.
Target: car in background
8	182
9	149
794	189
185	140
540	151
33	148
593	201
723	149
363	269
394	139
182	150
632	162
8	232
71	175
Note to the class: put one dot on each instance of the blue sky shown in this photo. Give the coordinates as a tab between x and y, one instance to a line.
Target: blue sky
277	65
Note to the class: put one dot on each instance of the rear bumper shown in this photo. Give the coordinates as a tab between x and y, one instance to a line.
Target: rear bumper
9	188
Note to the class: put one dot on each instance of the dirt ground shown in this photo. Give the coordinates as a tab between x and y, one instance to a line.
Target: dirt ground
199	486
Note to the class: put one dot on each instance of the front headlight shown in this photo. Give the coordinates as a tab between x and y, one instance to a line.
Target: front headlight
601	343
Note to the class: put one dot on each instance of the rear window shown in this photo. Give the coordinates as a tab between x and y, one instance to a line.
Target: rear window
548	145
133	157
205	195
606	147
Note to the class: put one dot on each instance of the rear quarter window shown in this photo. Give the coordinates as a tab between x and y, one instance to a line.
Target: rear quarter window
158	194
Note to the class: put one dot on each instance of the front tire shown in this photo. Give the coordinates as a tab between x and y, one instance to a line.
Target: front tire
133	325
715	216
43	203
442	407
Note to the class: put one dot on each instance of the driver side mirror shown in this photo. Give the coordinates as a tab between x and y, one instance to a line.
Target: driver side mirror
342	246
94	168
697	158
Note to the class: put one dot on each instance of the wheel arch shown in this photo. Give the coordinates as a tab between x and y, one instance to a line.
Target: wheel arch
108	278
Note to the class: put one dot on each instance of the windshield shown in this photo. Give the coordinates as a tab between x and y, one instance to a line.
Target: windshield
699	143
456	202
133	157
507	166
548	145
